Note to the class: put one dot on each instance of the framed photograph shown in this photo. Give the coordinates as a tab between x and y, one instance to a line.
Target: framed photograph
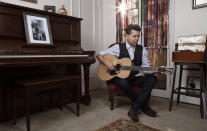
199	4
33	1
37	29
49	8
193	85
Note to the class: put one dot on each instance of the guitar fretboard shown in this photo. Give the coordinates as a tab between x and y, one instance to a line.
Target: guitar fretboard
139	68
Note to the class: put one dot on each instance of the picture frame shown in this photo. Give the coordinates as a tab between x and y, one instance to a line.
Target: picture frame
32	1
193	85
199	4
37	29
50	8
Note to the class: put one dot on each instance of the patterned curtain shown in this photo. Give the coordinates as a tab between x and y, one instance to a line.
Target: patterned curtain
155	26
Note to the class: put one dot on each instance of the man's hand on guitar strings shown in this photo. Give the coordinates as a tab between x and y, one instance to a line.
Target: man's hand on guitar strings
110	66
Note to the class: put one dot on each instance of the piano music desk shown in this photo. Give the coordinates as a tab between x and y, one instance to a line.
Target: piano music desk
188	58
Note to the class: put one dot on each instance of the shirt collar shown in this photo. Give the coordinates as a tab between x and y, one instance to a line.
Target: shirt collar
128	45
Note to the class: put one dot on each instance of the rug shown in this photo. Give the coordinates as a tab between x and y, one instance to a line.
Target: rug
126	125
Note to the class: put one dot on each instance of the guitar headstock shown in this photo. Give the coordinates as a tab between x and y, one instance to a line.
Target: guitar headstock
164	69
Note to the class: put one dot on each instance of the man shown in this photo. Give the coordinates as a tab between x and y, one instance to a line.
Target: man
139	57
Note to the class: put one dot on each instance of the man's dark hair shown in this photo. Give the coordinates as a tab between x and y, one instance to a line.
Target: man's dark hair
132	27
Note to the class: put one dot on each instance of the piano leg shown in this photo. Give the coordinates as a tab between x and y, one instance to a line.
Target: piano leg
86	99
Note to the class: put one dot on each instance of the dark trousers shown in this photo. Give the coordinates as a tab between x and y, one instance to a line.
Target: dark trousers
146	83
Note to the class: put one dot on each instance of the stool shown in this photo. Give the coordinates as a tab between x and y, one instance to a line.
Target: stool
44	83
178	90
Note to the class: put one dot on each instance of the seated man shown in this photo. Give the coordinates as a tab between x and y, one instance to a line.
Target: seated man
139	57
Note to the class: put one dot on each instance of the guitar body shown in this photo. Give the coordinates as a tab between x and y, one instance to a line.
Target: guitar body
103	72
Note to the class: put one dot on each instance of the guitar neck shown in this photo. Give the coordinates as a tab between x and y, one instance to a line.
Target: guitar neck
139	68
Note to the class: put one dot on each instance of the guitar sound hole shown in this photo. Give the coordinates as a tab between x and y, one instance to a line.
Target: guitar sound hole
116	70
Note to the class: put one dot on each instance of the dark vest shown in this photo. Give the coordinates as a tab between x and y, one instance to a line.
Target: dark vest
137	61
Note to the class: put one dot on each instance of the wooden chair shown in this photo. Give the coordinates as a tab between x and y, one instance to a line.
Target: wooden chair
41	84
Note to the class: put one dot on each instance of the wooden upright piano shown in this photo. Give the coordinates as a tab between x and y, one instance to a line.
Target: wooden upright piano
19	59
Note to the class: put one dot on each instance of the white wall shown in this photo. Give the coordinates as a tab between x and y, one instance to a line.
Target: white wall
87	24
87	12
109	22
188	21
105	32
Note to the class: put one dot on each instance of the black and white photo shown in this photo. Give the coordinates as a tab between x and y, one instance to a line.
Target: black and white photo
38	32
37	29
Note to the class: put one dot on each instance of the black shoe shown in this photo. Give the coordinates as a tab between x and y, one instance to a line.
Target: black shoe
139	111
149	111
133	115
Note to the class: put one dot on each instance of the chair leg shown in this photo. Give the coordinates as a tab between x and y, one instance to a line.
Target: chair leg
109	96
27	102
13	105
4	102
173	88
111	99
78	98
179	87
60	99
40	101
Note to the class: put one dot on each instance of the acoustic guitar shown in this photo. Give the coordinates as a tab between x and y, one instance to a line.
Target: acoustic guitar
123	67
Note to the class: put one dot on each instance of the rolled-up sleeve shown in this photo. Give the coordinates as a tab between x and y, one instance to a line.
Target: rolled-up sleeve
114	50
145	60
